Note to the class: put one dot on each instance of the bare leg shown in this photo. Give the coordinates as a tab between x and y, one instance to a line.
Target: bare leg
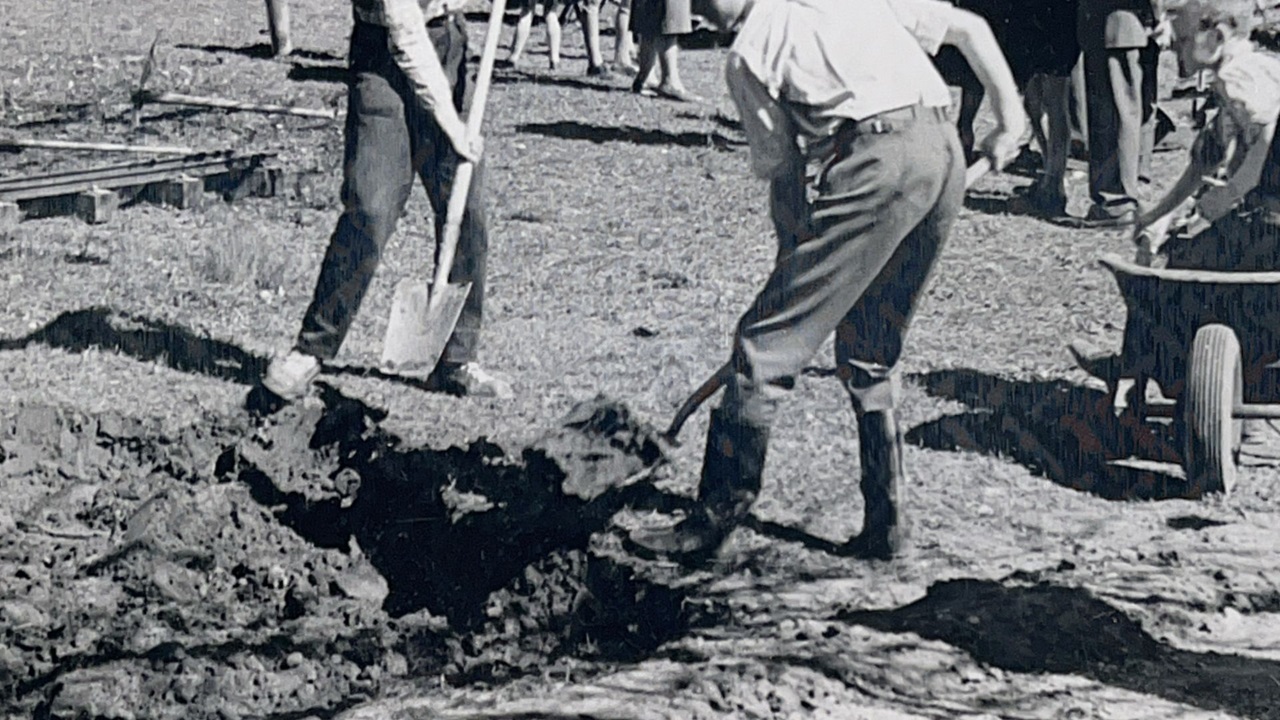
1033	103
1055	102
523	27
278	24
552	18
623	47
648	59
590	17
668	49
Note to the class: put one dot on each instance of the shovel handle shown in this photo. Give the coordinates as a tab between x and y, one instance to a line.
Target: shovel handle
466	169
712	385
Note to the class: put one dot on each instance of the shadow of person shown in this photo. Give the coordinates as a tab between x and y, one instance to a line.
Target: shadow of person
1036	628
147	340
515	76
338	74
573	130
258	51
1054	428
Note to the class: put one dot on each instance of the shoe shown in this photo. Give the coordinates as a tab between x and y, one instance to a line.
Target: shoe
678	94
600	71
693	540
732	468
289	377
1101	216
629	69
884	527
470	379
1035	200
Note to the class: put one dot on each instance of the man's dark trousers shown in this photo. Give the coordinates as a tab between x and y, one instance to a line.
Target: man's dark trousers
390	138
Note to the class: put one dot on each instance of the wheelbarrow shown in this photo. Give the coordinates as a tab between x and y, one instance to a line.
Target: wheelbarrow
1208	338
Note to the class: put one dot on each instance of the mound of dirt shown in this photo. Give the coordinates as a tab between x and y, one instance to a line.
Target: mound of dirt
300	565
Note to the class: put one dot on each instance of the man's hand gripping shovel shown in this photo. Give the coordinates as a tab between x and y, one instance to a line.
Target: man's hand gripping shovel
423	317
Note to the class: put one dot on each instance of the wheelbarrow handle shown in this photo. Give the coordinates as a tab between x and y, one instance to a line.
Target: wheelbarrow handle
712	385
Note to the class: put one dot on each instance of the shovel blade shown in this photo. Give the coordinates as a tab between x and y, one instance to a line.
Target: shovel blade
421	322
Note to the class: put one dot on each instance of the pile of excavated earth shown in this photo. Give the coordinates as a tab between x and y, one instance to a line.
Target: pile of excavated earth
297	565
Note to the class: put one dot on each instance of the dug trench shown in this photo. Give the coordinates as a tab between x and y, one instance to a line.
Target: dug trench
301	565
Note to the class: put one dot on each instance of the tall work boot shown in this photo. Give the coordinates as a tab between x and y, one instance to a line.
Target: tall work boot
731	472
884	527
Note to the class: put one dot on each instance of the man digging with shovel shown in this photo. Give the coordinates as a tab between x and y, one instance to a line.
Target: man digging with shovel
408	66
846	117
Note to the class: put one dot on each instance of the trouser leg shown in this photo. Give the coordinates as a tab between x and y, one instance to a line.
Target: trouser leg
377	177
869	343
437	163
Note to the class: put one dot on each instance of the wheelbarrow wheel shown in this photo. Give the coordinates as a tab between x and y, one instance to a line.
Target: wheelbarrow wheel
1211	434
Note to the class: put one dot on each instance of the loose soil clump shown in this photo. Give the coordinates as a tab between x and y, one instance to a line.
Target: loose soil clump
300	564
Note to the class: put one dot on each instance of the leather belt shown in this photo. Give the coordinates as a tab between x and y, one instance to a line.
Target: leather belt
891	120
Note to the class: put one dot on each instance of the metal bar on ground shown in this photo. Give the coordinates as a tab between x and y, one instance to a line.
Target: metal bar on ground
168	98
33	143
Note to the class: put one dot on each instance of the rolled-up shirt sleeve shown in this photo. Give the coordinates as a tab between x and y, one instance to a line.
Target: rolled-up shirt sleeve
415	55
926	20
770	132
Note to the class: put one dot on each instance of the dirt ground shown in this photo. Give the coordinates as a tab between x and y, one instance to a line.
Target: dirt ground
381	551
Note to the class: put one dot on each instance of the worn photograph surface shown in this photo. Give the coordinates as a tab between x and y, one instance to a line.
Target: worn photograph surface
640	359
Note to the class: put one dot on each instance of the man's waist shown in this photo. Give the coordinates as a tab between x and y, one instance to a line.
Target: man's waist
892	120
435	11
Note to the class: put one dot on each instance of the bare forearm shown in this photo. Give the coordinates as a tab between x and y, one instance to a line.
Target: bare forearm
971	35
1182	190
1243	177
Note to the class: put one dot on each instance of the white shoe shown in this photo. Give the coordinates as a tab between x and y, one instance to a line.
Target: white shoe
291	376
471	379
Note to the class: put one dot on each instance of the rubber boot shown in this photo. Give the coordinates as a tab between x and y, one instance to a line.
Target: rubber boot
731	473
884	527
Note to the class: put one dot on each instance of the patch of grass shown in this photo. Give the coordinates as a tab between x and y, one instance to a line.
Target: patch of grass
242	260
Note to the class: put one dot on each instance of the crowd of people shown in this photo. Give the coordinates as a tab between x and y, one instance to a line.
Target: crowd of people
853	89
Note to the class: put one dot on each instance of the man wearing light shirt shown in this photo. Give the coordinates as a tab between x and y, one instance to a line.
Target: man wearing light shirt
847	119
408	68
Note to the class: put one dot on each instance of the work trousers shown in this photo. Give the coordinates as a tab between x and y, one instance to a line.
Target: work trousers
856	250
1120	90
390	138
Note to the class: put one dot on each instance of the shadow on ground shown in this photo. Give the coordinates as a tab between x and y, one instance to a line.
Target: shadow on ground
147	340
338	74
573	130
1062	431
1046	628
512	76
257	51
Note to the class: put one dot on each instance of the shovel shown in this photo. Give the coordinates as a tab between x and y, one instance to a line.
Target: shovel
713	384
423	316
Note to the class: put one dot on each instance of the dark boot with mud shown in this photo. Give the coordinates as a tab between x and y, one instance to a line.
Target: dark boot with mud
731	473
884	527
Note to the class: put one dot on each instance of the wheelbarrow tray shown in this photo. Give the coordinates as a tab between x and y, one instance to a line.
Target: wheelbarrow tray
1166	307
